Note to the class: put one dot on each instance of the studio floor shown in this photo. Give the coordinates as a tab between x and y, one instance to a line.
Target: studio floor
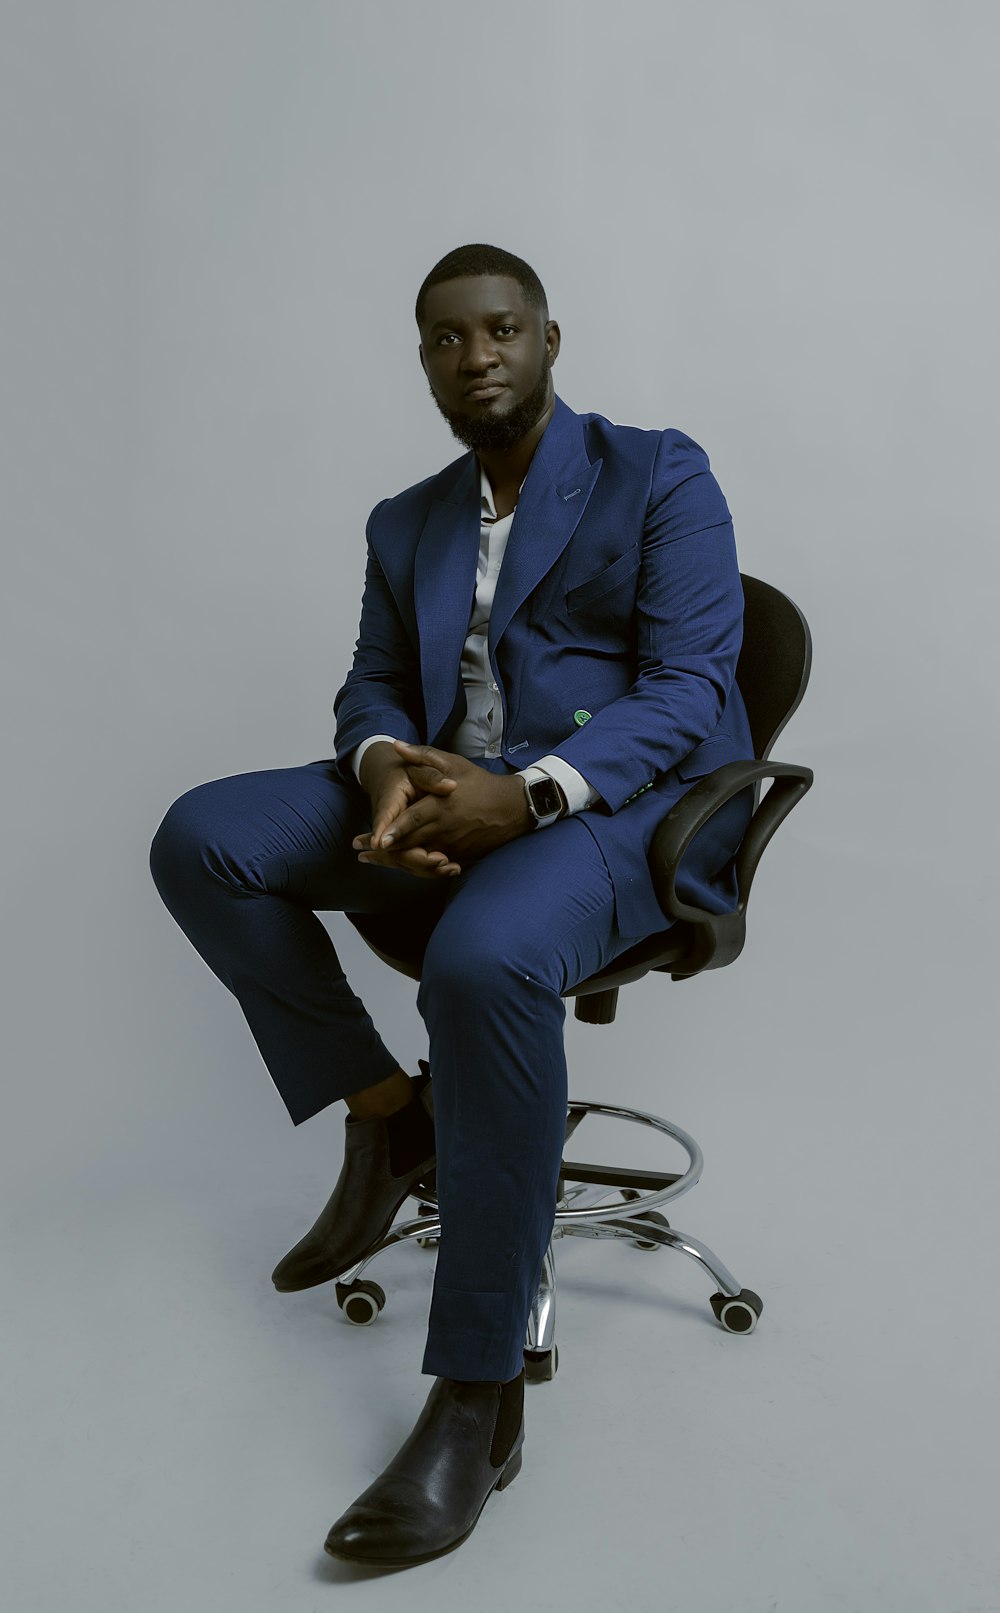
180	1436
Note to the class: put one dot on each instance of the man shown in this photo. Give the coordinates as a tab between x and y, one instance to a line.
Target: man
546	658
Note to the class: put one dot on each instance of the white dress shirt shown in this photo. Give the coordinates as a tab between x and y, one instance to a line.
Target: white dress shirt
481	731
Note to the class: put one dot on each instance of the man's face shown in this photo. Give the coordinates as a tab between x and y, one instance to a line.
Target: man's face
487	354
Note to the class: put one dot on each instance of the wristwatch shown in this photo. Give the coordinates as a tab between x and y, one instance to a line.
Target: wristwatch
546	801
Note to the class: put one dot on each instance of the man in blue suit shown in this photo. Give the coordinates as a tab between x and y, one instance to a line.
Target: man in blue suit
545	661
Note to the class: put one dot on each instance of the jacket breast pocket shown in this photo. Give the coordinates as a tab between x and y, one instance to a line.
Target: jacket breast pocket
603	582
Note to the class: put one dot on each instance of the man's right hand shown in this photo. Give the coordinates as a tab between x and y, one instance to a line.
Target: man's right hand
392	786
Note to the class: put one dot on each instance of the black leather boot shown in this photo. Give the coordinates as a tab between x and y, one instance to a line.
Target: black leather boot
466	1444
361	1208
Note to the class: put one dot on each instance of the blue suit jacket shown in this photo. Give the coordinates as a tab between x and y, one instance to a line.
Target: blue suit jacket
619	596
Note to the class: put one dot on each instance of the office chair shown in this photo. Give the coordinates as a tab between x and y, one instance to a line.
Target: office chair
772	674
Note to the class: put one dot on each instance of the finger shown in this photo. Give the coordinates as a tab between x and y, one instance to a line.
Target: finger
413	827
423	836
416	861
426	753
431	778
410	858
389	810
388	814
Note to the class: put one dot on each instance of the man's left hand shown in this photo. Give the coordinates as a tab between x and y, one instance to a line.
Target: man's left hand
484	811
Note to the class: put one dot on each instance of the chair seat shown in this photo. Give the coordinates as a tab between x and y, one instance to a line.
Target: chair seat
664	950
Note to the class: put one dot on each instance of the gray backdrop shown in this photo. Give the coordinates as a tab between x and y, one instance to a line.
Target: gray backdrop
772	225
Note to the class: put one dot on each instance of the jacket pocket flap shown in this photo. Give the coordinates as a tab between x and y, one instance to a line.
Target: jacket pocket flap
593	587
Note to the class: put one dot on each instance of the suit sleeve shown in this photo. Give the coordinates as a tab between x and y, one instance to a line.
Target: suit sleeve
689	628
380	691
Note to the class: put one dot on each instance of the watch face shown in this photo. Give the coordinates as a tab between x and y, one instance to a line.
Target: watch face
545	797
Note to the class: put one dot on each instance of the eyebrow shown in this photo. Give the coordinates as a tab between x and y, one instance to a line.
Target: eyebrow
450	324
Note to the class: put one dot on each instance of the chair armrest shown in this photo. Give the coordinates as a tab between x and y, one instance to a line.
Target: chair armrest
718	937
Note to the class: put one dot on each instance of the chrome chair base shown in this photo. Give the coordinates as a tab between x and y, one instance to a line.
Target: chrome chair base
581	1212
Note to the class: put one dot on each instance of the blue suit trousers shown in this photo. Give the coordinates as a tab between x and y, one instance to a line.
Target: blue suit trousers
245	863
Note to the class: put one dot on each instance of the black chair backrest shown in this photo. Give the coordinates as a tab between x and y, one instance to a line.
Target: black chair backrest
773	667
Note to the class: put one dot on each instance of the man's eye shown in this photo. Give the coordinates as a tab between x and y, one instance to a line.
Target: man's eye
511	328
448	336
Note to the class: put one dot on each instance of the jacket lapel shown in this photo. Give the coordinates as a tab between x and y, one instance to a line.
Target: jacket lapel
556	490
558	485
444	582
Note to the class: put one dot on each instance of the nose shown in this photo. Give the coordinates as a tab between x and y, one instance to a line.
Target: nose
479	355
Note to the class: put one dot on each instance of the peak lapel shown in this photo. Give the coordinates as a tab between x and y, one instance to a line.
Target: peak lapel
556	490
444	581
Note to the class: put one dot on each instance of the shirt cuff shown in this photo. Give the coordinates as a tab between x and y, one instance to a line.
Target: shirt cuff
579	794
359	751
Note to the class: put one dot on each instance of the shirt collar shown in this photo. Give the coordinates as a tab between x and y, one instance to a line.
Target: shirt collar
486	493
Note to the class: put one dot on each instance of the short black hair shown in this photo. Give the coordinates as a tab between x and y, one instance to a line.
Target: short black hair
478	258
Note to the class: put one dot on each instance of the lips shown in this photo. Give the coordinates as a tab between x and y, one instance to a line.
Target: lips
486	389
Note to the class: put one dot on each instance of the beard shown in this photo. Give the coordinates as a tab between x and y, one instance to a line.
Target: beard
494	431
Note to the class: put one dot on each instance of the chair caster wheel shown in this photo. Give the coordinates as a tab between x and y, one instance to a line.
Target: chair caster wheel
738	1313
433	1239
360	1301
541	1366
656	1219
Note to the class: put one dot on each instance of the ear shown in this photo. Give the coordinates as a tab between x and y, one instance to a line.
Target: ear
552	340
420	352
